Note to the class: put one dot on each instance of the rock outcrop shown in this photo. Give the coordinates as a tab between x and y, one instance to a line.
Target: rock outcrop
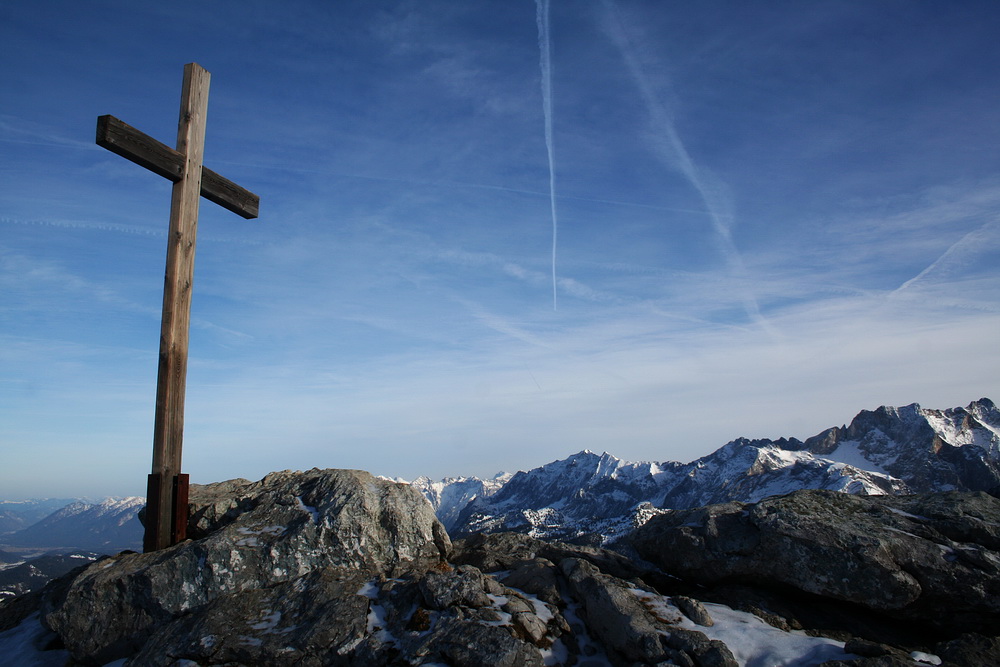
933	560
256	536
336	567
628	630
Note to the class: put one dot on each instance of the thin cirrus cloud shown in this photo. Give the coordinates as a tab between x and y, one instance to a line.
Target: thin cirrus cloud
674	152
754	239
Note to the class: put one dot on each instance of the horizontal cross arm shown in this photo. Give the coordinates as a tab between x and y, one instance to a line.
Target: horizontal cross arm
139	147
132	144
228	195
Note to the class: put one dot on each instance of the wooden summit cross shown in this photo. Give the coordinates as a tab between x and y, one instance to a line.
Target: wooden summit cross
167	489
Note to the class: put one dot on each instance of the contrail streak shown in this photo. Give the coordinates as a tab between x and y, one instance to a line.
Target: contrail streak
969	242
453	184
545	63
674	151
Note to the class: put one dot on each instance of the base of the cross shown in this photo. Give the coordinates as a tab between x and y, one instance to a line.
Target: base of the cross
177	528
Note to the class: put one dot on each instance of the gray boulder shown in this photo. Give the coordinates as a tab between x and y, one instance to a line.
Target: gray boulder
331	567
694	610
970	650
275	625
464	586
932	557
339	568
536	576
614	615
257	534
600	588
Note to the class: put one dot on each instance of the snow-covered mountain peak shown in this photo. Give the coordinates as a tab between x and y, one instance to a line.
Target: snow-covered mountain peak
888	450
978	424
451	495
929	449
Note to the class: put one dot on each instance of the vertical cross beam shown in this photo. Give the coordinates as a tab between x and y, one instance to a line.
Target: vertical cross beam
168	426
167	490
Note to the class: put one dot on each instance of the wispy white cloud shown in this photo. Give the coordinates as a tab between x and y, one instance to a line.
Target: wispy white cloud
504	325
41	285
95	225
28	131
673	150
635	386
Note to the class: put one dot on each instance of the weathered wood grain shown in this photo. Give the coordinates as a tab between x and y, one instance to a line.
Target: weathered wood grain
166	514
132	144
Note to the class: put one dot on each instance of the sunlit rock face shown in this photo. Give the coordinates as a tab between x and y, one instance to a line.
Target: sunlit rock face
255	535
956	449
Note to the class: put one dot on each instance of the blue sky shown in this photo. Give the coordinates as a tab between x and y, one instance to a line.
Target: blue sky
767	217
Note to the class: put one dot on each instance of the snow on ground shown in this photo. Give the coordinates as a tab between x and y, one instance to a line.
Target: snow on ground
753	642
313	512
928	658
377	624
19	646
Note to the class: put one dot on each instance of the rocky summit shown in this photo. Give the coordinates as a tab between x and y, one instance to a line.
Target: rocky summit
337	567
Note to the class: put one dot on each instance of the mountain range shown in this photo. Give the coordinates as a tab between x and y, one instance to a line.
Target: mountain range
595	498
19	514
108	527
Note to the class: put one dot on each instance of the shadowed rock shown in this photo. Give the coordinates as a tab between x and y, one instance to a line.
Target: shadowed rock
629	631
931	557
